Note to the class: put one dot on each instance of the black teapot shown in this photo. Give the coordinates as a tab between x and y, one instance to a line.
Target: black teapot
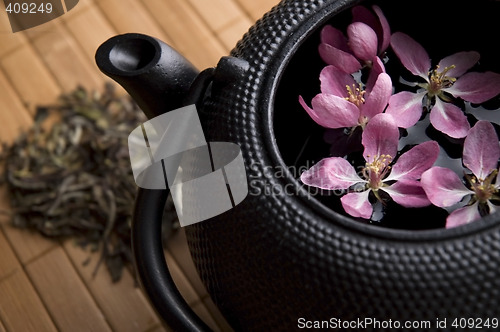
282	259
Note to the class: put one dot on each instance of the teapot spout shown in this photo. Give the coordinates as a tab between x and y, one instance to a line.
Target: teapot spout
156	76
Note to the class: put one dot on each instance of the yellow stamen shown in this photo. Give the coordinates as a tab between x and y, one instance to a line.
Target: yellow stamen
376	171
355	95
439	80
484	189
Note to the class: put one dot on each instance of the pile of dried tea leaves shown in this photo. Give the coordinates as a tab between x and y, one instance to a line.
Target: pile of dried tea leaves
74	179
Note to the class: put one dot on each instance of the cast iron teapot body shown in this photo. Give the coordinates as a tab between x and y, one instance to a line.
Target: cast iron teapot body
276	260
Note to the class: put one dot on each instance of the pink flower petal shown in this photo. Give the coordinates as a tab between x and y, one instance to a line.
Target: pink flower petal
377	69
385	37
443	186
492	208
411	164
476	87
331	111
357	204
338	58
332	174
312	113
406	108
380	137
408	194
334	81
335	111
362	41
463	216
334	37
411	54
378	23
376	101
364	15
449	119
481	149
462	61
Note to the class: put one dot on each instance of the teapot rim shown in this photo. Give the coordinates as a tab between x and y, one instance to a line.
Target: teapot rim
485	223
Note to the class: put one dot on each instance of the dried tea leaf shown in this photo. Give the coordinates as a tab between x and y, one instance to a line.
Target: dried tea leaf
73	178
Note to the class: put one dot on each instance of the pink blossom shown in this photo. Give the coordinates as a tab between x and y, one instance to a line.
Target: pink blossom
343	103
444	188
449	77
367	37
400	181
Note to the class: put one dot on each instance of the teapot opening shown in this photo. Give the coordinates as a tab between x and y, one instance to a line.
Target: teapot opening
132	54
156	76
302	142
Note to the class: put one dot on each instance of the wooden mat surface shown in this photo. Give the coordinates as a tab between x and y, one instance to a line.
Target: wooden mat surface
43	284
